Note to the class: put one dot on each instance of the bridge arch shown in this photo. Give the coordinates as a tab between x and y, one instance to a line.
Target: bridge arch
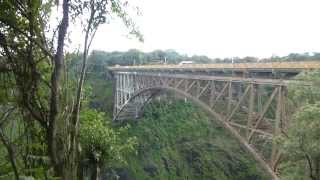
155	90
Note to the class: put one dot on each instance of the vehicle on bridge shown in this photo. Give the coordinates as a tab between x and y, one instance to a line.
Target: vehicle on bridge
185	62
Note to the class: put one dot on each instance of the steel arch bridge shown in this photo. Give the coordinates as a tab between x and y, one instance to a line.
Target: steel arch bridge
249	100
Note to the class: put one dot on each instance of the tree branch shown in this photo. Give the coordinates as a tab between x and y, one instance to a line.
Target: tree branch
44	50
5	141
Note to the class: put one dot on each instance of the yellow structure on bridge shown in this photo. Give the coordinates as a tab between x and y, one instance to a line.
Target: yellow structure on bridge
298	65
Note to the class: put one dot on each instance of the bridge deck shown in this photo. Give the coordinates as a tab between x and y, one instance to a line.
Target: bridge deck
283	82
289	66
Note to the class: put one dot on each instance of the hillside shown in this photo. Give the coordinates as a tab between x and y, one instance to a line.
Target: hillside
178	141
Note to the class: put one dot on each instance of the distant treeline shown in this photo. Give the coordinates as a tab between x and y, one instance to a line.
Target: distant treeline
136	57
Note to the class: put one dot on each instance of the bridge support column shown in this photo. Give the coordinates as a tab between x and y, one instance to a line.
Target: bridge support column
212	93
251	109
280	116
229	97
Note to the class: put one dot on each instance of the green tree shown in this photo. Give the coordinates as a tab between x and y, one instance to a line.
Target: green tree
36	62
301	144
101	143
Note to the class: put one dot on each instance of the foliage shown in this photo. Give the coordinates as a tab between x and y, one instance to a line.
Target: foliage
301	94
24	77
303	145
302	141
178	141
32	63
100	140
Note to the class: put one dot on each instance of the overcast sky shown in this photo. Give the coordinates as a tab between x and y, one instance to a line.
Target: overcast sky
220	28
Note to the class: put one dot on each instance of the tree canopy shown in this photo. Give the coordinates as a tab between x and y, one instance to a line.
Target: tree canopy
301	143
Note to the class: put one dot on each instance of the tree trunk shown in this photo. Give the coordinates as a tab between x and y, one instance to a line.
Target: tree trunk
96	172
61	162
76	111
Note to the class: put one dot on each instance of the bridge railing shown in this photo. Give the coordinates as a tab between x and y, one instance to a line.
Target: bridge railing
272	65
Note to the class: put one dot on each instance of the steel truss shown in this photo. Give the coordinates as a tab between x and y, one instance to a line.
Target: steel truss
253	110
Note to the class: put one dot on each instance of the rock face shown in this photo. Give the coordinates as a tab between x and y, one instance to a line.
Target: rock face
178	141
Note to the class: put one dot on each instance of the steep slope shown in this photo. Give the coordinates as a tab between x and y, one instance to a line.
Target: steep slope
178	141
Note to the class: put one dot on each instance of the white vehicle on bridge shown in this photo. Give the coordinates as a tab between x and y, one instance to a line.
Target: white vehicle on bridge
185	62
